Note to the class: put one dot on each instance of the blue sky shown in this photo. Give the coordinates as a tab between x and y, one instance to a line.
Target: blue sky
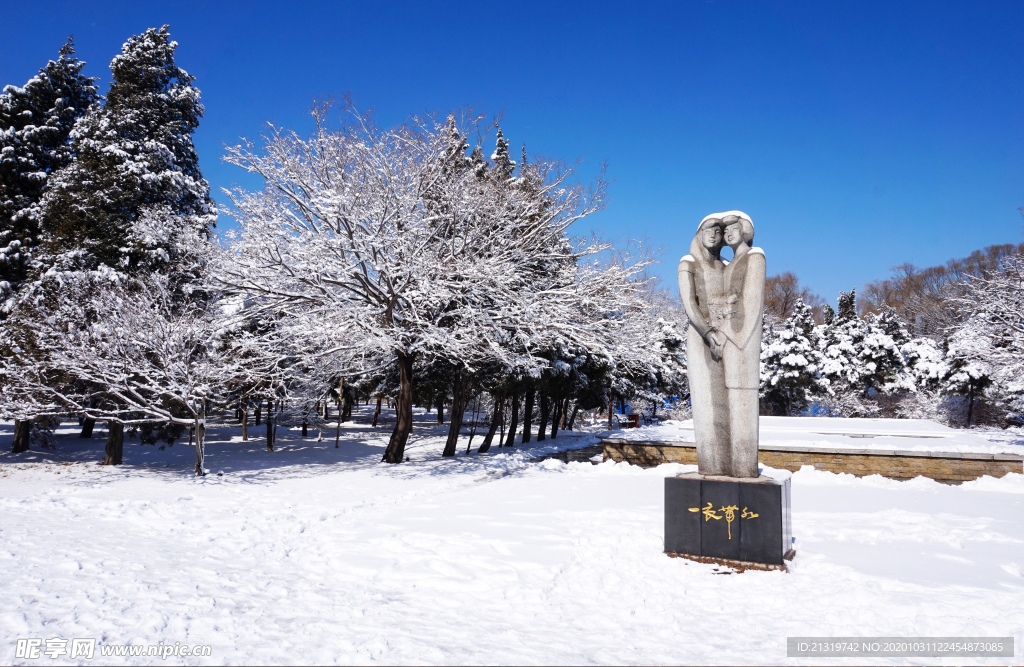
858	136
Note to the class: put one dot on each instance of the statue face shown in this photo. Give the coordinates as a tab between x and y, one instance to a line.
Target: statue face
711	237
734	235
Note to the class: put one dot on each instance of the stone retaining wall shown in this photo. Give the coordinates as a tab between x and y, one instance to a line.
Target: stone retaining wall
949	467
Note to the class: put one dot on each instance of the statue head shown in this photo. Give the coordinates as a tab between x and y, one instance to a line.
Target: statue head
738	232
737	228
708	242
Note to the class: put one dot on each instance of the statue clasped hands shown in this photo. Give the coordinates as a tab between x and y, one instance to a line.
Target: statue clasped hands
715	339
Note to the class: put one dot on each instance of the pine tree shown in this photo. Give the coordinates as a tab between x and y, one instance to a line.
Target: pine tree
790	364
35	123
839	341
478	162
885	368
971	378
974	351
132	155
503	163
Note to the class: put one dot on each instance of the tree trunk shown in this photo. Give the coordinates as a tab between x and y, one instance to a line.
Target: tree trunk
259	411
501	437
115	444
472	428
970	405
22	429
545	410
305	429
556	418
611	408
245	417
440	408
395	452
277	415
201	439
528	415
270	426
575	411
87	426
564	413
376	412
513	420
347	416
460	397
499	406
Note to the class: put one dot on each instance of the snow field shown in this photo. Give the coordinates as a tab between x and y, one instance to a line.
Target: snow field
312	554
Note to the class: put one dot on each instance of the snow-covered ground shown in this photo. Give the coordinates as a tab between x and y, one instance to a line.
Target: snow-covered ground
312	554
912	435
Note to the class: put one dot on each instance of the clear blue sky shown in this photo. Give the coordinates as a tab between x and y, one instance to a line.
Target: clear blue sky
858	136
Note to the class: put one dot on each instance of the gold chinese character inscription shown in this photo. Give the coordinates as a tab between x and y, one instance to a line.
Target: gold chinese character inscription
730	514
728	510
709	513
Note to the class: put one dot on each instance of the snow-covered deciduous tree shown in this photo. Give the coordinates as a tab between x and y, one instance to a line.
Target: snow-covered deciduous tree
986	350
392	244
781	294
121	350
20	396
649	365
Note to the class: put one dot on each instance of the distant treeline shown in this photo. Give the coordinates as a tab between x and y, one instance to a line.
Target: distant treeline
944	343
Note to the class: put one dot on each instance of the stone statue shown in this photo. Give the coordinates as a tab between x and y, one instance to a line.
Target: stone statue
725	302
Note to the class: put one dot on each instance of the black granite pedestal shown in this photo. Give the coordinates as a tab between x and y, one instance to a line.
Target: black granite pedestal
741	522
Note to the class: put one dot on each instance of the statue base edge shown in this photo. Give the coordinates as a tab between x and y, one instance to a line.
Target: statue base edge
737	565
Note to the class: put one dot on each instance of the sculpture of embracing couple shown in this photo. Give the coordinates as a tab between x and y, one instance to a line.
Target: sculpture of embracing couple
724	301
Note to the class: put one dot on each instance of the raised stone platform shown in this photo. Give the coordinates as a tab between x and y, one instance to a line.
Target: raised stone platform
949	467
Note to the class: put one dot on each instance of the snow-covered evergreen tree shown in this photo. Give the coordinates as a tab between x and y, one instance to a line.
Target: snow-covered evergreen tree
860	360
884	366
131	155
926	363
970	372
35	123
503	165
841	365
790	364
